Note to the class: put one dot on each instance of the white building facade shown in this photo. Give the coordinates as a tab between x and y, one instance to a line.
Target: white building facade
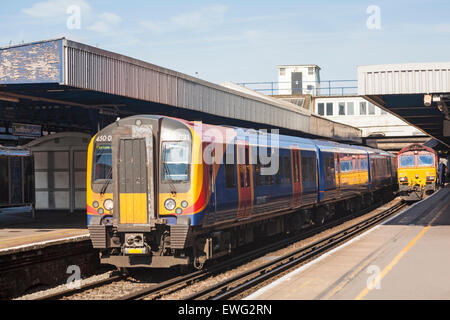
299	79
358	112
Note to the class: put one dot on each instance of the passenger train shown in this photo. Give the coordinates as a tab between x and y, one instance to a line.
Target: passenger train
417	171
165	192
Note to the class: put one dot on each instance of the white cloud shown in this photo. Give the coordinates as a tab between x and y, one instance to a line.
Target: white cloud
201	19
106	22
56	9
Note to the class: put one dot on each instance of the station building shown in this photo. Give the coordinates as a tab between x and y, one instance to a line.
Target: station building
336	101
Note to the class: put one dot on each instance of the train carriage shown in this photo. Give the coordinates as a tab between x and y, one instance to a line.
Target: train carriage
417	171
164	192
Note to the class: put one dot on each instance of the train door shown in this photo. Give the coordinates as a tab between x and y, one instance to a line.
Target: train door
373	173
245	180
296	178
209	170
133	172
337	166
357	171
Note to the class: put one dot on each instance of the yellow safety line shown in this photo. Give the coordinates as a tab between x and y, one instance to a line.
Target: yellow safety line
389	267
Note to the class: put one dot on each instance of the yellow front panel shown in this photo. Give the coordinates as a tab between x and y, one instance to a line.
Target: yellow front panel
133	208
421	172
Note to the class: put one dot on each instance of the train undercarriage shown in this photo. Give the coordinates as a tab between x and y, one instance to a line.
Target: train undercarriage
165	246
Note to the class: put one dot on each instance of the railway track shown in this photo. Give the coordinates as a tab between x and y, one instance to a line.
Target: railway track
179	283
174	284
238	285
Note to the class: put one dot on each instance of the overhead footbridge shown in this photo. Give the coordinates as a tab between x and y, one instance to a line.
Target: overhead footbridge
418	93
64	85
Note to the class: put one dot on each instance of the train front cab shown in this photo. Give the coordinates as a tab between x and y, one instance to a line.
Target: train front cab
134	203
417	172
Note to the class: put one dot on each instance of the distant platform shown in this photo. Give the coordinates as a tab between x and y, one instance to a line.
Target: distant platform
406	257
19	231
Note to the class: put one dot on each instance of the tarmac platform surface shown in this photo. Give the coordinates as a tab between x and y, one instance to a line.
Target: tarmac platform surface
406	257
18	230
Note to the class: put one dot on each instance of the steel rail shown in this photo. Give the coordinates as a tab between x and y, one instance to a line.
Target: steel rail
242	282
70	292
171	285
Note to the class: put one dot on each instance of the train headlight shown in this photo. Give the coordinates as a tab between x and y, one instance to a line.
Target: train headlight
95	204
170	204
179	211
108	204
184	204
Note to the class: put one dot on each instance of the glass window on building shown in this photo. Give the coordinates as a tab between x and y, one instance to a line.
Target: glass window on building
371	109
329	109
282	71
342	108
350	108
321	109
382	111
363	108
310	71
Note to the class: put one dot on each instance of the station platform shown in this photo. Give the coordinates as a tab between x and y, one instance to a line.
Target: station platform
406	257
19	231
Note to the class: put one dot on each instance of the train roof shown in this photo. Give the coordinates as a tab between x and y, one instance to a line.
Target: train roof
284	140
417	147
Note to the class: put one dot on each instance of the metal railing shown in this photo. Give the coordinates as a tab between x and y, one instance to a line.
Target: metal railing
315	88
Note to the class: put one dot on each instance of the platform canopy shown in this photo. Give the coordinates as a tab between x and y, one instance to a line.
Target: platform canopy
68	85
419	93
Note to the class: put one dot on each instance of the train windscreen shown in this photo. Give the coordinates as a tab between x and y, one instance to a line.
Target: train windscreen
175	161
406	161
425	160
103	162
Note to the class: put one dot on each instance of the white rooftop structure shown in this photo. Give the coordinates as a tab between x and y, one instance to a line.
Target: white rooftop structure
299	79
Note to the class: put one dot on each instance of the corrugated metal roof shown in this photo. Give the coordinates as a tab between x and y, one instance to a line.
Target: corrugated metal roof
407	78
77	65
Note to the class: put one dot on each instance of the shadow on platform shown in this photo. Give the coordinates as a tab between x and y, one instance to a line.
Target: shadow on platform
21	218
423	212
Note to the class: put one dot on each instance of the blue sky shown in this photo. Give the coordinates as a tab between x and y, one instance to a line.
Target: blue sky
242	41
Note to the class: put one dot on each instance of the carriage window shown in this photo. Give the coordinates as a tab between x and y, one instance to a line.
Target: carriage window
406	161
279	174
258	177
329	167
229	176
287	169
103	162
425	160
308	169
175	161
345	166
364	164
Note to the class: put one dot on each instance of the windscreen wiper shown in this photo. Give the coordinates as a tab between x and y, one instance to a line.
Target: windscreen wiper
173	190
107	182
